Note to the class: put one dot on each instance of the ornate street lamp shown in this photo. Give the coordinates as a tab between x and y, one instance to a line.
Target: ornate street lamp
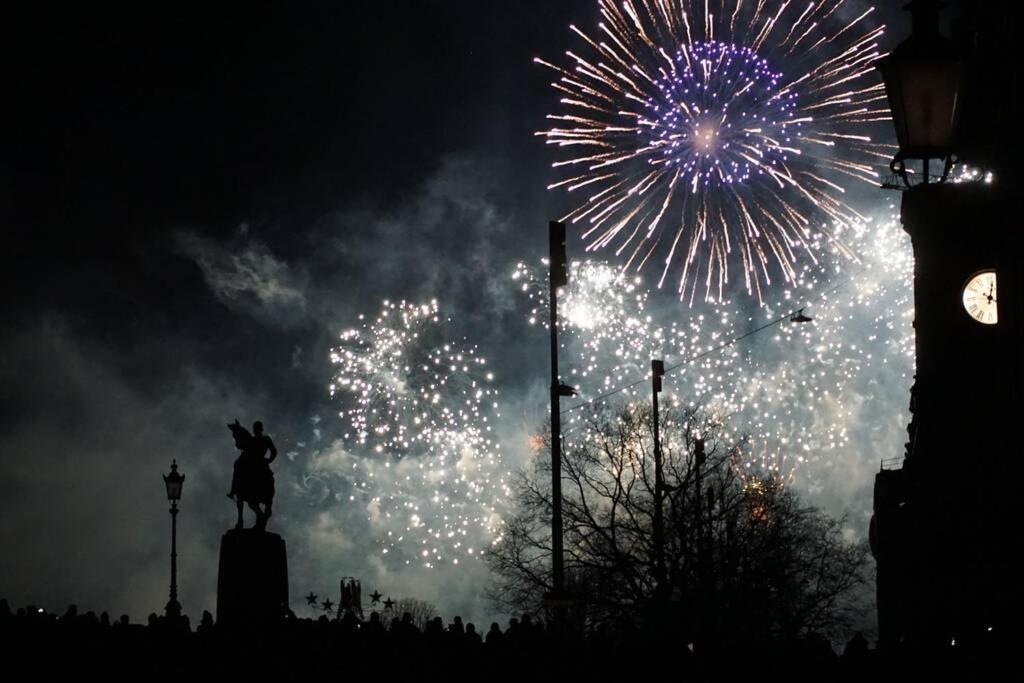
923	83
174	482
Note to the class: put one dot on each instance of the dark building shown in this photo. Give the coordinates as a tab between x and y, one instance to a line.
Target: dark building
945	531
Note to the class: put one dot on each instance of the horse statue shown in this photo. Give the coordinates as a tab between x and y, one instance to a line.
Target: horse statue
253	480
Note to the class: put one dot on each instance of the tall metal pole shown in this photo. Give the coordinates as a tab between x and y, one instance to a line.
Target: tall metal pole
558	276
657	372
702	584
173	608
700	457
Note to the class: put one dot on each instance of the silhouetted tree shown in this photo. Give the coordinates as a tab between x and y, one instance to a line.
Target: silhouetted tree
742	557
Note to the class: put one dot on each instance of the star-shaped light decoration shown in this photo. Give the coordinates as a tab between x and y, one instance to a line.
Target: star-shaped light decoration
375	597
311	599
327	605
389	603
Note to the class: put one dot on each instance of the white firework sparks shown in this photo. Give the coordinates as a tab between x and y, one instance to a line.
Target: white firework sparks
801	387
420	449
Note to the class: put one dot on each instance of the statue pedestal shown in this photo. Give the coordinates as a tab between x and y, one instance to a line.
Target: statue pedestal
252	583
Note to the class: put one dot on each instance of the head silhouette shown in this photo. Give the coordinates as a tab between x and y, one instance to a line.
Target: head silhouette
257	428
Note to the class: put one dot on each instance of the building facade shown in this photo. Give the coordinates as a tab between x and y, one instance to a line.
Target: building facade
945	532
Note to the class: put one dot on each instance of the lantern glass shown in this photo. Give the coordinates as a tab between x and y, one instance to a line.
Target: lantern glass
174	482
922	79
924	95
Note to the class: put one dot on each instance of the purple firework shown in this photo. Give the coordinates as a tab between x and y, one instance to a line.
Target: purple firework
708	133
712	122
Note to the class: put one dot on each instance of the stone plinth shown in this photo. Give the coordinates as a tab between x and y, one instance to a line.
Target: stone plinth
252	583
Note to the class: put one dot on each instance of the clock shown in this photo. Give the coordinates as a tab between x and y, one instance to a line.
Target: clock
980	297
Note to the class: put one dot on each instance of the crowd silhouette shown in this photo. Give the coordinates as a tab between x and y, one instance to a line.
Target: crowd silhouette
526	649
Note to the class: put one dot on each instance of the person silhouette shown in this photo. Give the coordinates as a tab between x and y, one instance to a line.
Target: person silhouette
857	648
206	624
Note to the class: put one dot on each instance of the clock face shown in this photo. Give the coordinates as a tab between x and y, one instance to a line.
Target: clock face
980	297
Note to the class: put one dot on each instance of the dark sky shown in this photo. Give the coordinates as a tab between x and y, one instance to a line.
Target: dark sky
195	201
344	153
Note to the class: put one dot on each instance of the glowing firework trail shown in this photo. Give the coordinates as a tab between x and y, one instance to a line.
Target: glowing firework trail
757	469
419	412
720	137
761	473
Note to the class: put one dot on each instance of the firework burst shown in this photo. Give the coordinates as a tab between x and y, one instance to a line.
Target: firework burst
805	389
605	313
419	413
719	131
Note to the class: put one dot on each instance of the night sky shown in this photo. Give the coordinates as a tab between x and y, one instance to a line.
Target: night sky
195	203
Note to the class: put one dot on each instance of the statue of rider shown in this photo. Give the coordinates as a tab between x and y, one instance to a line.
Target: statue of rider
253	480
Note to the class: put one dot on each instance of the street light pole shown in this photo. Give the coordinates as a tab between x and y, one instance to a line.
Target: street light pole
558	276
657	372
173	607
174	482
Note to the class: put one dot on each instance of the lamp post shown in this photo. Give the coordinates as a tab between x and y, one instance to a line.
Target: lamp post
557	601
558	277
657	372
923	78
173	482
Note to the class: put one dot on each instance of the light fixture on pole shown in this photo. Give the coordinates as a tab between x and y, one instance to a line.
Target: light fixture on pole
174	482
799	317
923	82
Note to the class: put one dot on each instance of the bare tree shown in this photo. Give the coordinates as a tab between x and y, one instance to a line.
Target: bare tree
742	558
